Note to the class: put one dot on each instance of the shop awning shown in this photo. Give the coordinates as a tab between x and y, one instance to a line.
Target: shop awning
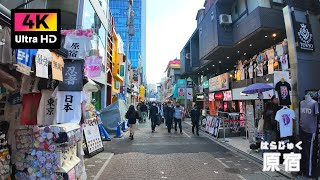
91	86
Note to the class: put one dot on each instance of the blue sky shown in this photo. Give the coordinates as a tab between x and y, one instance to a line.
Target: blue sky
170	23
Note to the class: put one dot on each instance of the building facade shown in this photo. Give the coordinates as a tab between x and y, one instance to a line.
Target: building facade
137	48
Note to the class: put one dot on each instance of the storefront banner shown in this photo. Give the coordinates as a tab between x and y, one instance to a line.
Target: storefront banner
219	83
218	96
181	93
72	76
211	96
208	123
211	126
206	84
181	83
304	37
93	138
227	96
190	93
200	97
238	95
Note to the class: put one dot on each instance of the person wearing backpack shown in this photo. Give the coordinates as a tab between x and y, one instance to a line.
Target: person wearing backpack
132	116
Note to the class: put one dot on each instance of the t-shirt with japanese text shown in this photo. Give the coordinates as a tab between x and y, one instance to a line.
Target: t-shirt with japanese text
46	108
69	107
57	66
285	117
78	46
43	57
30	104
24	60
283	89
284	62
29	84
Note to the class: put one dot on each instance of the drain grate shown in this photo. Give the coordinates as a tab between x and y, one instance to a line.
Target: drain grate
232	170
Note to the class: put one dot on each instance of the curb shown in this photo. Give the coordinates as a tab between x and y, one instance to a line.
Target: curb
235	150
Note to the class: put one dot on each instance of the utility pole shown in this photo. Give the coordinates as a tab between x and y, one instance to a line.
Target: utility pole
130	32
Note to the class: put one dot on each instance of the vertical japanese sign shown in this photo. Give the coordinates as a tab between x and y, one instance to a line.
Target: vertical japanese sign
72	76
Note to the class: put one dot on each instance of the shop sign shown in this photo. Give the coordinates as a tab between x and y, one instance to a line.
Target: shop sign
211	96
206	84
218	96
227	96
92	138
189	83
181	93
219	83
200	97
304	37
181	83
190	93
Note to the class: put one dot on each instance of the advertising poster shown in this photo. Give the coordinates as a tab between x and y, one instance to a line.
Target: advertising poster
219	83
92	138
189	93
211	129
208	123
227	96
181	93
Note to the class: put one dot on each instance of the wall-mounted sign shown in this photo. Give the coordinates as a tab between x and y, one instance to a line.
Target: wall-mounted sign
304	37
211	96
200	97
181	93
190	93
219	83
189	83
218	96
206	84
227	96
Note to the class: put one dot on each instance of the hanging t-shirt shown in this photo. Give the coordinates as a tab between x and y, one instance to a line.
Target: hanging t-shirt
308	115
14	98
242	73
265	67
238	75
29	84
43	57
68	105
283	89
255	65
250	70
30	104
285	118
92	66
284	62
7	55
78	46
279	50
46	108
12	114
72	76
48	83
270	66
57	66
24	60
260	70
270	53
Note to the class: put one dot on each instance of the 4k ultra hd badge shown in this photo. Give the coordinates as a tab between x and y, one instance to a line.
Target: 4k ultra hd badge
36	28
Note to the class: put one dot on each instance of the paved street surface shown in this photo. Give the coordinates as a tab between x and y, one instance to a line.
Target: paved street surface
173	156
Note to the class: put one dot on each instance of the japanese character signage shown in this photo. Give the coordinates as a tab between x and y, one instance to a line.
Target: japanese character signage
68	103
50	107
304	37
92	66
72	76
24	60
219	83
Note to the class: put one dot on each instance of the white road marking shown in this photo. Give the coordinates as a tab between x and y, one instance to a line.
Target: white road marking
205	163
228	161
91	165
103	167
226	166
164	177
186	134
216	172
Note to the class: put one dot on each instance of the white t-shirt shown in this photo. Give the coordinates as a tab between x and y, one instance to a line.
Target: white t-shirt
250	70
270	66
260	69
46	108
284	62
77	46
279	49
68	105
43	57
285	117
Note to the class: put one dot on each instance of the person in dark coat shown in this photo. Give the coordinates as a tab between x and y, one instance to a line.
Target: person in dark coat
153	115
169	113
132	116
144	112
195	117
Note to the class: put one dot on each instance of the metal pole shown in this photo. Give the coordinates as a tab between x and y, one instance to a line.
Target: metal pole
126	82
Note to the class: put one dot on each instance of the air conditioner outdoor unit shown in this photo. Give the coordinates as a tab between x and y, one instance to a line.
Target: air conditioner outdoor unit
188	56
225	19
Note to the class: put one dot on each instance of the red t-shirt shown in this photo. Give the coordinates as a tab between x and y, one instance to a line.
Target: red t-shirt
30	104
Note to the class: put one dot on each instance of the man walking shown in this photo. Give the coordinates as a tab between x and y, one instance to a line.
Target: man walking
153	115
144	112
178	110
169	113
195	117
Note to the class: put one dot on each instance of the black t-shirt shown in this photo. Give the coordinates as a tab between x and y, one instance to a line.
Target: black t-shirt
283	89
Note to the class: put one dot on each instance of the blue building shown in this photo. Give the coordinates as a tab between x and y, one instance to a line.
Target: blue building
119	9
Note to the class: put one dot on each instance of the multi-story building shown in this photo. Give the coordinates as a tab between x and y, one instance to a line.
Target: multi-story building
172	74
119	9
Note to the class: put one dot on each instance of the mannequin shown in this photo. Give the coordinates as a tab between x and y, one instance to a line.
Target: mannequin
308	127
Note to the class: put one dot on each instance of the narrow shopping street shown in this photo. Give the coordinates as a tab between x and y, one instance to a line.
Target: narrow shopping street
171	156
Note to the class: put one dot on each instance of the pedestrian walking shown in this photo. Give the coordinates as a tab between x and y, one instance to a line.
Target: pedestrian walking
169	114
144	112
178	112
195	117
269	123
132	116
153	115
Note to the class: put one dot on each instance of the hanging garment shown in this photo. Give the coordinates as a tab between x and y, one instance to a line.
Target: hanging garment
285	117
72	76
92	66
24	60
7	55
284	62
46	108
283	89
30	104
57	66
42	60
270	66
78	46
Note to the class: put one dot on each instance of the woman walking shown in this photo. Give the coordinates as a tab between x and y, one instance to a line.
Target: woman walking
132	116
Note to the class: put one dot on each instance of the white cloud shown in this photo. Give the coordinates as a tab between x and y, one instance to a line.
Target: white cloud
170	23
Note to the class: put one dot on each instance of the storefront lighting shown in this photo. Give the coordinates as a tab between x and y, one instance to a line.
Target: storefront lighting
231	75
274	35
207	68
228	57
250	45
265	36
220	62
244	54
213	65
238	52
